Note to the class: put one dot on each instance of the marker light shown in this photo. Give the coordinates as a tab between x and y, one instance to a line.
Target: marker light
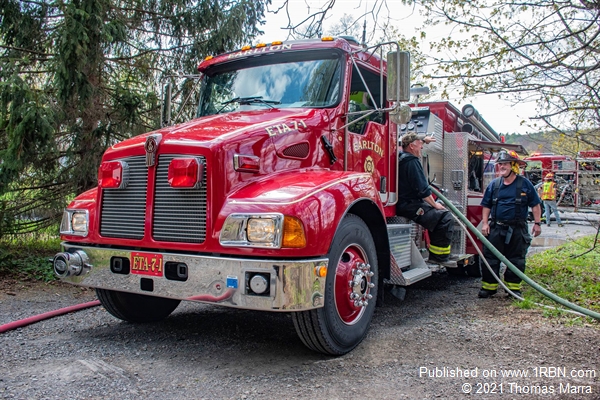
327	39
113	175
244	163
247	47
259	45
276	43
293	233
321	271
185	173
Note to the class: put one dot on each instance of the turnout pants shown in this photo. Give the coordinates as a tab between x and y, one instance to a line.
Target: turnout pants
439	223
512	241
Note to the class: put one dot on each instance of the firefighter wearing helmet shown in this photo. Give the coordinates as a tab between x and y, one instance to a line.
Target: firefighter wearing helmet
505	207
547	193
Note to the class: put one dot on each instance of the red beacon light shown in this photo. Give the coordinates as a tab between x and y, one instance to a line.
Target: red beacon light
185	173
113	175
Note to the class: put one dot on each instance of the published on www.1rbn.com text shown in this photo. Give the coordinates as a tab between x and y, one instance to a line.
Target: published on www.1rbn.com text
542	380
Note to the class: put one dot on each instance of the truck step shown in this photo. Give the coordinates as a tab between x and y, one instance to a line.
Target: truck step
416	274
448	264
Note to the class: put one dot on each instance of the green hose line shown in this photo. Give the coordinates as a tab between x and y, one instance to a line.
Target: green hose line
514	269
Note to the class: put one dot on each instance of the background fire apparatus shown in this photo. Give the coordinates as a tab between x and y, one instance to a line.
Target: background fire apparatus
578	179
278	196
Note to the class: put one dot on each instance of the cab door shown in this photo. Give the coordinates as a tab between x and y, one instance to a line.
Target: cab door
368	140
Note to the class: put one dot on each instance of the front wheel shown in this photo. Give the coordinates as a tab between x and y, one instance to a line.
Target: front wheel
350	293
133	307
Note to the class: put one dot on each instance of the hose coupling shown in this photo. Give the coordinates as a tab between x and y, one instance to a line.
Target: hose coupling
73	263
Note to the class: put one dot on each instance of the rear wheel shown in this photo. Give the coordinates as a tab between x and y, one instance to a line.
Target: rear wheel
133	307
350	293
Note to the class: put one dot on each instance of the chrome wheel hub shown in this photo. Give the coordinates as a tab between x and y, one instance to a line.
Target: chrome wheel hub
361	284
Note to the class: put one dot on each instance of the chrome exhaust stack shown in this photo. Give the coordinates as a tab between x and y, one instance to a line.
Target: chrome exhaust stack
71	264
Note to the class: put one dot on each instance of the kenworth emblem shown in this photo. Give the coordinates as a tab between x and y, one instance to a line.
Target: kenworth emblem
151	146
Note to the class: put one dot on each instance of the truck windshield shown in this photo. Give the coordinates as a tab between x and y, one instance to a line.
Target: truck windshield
271	81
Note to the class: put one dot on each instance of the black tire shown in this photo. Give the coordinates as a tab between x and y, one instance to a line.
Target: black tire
133	307
342	323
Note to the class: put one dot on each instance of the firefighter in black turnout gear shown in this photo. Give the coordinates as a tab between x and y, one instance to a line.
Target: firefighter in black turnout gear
505	204
416	202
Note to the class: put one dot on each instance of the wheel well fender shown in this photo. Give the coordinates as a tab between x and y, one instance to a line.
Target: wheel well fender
368	211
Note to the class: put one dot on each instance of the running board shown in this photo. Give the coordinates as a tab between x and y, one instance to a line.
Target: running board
416	274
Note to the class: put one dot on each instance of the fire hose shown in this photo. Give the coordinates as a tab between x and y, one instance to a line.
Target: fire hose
464	221
36	318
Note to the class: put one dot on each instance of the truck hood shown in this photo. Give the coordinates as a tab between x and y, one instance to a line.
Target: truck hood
213	129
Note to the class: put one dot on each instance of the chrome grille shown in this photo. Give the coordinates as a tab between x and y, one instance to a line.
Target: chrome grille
179	214
123	210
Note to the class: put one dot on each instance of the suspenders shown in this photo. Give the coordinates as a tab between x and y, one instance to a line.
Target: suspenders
497	182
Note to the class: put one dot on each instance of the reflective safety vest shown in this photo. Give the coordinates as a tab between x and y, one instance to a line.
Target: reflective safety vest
548	192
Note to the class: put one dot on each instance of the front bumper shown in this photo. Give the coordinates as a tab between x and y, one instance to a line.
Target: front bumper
290	285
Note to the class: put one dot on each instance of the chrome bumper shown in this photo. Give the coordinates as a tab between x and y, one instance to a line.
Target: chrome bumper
290	285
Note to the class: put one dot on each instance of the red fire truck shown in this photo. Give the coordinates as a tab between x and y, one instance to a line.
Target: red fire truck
588	180
278	196
578	179
564	169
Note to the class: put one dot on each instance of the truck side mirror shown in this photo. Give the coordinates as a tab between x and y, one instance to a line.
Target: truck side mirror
165	116
398	76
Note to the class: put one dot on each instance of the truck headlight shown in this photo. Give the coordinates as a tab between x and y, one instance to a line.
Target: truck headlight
262	230
75	222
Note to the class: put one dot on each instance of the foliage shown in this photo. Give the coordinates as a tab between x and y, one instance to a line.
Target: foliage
545	51
548	142
76	76
27	257
568	273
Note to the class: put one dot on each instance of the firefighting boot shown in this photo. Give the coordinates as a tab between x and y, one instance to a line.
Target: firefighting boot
438	259
484	293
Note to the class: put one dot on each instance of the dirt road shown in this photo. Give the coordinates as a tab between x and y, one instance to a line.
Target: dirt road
441	342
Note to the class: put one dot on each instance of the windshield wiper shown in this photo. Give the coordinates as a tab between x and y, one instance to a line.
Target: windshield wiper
249	100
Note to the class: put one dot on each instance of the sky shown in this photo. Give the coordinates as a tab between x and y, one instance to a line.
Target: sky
501	115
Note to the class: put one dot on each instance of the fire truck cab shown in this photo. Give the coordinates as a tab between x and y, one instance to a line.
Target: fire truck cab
278	195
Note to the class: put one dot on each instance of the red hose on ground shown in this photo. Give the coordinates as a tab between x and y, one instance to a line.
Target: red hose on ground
36	318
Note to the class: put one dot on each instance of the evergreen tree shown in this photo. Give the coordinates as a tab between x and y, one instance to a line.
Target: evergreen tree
77	76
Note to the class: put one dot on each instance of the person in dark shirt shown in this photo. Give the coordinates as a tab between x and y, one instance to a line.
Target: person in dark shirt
504	221
416	202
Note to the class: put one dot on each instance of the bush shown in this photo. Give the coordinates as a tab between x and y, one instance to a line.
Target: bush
27	257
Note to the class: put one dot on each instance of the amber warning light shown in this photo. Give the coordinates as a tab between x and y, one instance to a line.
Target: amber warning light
113	175
185	173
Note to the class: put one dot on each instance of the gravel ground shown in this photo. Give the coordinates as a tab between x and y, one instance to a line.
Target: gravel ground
216	353
420	348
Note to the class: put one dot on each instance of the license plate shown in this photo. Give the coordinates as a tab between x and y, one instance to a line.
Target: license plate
147	264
